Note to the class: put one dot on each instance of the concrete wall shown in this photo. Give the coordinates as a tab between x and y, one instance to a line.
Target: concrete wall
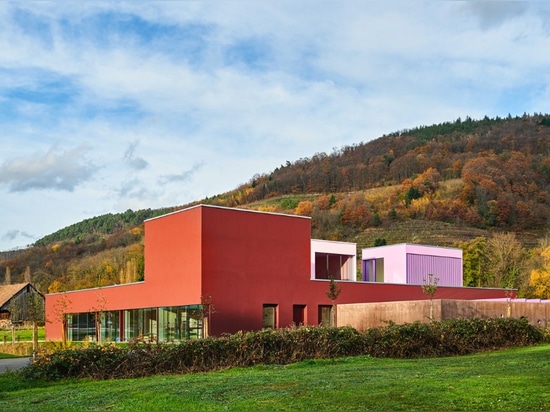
367	315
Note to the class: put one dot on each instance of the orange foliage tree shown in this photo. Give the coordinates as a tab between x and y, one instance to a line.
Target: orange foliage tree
539	280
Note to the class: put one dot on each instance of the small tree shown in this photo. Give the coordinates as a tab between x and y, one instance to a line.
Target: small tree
35	314
429	287
101	304
333	293
60	310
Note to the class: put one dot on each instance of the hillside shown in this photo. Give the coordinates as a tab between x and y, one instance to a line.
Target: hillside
442	184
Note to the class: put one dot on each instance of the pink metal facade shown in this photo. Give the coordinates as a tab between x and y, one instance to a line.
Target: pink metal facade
411	264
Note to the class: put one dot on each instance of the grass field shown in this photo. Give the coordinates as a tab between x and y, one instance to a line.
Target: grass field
512	380
20	334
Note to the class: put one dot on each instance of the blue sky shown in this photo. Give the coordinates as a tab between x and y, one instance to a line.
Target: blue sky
109	105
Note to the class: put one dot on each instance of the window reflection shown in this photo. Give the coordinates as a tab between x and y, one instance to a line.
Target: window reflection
165	324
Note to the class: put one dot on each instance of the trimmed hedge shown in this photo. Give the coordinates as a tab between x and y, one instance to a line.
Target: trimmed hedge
284	346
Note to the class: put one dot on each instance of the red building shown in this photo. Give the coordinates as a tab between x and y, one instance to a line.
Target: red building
250	270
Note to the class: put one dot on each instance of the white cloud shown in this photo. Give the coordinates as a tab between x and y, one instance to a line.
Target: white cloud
53	170
107	106
11	235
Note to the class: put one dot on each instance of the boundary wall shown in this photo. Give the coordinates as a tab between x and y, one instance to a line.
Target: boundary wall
362	316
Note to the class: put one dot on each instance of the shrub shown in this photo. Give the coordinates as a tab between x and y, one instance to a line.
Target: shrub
284	346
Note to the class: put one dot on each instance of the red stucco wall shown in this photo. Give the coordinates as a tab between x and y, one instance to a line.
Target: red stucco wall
243	260
252	258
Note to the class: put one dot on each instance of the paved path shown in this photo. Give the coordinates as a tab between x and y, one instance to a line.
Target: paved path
12	364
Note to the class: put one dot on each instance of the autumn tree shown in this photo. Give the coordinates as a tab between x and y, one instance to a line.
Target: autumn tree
355	211
304	208
505	258
333	292
539	280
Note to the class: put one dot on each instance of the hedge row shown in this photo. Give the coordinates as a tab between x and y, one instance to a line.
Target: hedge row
284	346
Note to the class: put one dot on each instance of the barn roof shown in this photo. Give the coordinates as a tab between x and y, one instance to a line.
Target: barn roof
9	291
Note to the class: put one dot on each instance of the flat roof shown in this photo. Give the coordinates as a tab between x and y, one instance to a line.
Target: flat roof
228	208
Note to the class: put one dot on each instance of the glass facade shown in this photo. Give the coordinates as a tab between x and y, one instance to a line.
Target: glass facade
110	326
177	323
81	327
166	324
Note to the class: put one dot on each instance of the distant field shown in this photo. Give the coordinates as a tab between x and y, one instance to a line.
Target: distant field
512	380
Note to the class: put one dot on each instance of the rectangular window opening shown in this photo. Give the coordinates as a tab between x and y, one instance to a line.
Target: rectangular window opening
373	270
325	315
299	315
269	316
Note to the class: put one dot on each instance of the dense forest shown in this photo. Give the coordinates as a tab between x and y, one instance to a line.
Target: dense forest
482	185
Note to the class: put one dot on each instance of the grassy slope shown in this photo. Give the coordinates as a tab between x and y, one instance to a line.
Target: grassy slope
517	379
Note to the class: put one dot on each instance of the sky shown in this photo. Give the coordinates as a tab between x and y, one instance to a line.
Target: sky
110	105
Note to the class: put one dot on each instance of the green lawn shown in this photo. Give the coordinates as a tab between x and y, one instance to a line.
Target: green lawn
21	334
7	355
512	380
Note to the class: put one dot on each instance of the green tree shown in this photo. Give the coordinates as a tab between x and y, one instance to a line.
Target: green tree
474	258
376	220
411	194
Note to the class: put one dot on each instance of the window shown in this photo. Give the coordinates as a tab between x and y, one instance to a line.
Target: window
81	327
373	270
335	266
325	313
168	324
299	315
177	323
269	316
110	326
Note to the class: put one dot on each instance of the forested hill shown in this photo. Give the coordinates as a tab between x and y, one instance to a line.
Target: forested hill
512	151
441	184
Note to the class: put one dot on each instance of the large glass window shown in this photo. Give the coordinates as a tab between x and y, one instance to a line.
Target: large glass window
336	266
133	324
168	324
110	326
176	323
81	327
141	324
